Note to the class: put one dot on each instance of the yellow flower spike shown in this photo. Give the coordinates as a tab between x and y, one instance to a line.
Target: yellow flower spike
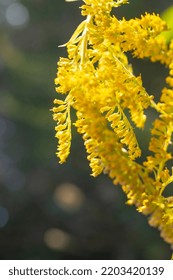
123	129
110	102
61	114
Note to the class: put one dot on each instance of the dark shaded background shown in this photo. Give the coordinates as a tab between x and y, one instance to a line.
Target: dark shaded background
47	210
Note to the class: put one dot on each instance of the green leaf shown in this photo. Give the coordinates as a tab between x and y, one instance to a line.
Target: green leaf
167	15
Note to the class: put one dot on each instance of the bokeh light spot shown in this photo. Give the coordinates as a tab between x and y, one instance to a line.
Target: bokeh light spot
17	14
57	239
4	216
69	196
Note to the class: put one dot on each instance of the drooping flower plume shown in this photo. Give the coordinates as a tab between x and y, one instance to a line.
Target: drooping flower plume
98	82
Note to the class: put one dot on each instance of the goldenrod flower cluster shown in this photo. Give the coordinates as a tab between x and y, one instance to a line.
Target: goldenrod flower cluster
98	82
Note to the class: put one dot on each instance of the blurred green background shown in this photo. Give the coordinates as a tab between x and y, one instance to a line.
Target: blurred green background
48	210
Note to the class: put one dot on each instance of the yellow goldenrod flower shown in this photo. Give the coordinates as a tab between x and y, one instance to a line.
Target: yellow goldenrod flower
110	101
